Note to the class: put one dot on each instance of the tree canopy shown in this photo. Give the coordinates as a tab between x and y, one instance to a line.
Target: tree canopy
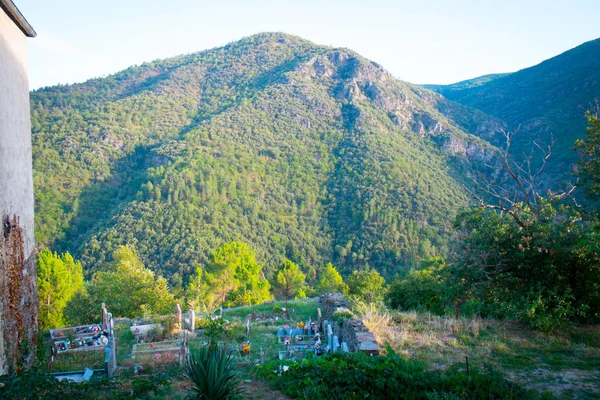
288	280
59	279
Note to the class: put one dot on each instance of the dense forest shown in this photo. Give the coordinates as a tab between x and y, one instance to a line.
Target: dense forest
545	101
304	152
276	167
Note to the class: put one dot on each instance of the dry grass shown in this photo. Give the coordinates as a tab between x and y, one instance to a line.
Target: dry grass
566	363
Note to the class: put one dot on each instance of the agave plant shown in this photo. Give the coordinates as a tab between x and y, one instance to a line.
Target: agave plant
211	370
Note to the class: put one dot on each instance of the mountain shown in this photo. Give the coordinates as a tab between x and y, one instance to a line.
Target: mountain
302	151
544	102
454	90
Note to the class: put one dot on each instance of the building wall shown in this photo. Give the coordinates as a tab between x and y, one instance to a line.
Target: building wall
18	291
16	178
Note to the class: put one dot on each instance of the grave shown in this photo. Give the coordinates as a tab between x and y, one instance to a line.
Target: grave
352	331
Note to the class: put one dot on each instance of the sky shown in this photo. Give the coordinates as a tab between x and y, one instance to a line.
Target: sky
418	41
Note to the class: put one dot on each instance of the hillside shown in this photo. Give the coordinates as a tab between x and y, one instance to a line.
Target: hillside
547	101
454	90
301	151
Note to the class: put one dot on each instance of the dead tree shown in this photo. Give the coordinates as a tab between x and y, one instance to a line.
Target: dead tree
517	183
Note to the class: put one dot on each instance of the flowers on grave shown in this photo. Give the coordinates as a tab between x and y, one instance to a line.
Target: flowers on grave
245	347
167	355
300	324
286	340
157	356
151	345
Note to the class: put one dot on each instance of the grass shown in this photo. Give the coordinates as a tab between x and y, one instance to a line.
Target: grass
125	341
263	334
79	360
566	363
300	310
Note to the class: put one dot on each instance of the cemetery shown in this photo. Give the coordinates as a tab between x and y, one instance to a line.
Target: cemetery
254	335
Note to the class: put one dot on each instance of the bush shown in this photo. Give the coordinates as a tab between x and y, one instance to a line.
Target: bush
212	372
342	315
423	290
357	376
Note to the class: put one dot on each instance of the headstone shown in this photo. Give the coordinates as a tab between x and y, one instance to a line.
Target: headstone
88	374
104	317
345	348
178	308
109	324
336	343
192	320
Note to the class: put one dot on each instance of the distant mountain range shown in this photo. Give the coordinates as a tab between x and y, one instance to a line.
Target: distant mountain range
302	151
545	101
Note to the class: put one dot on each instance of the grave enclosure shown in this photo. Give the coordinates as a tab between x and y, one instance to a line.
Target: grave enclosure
84	350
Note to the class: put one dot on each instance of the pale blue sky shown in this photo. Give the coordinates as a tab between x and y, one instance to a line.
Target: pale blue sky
417	41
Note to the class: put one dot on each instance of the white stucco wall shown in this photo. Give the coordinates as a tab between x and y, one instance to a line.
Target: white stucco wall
16	180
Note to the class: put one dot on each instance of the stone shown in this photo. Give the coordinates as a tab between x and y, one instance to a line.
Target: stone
370	348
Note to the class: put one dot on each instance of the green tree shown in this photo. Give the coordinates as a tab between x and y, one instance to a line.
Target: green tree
237	276
59	279
589	158
527	255
288	281
129	289
331	281
366	285
422	289
198	292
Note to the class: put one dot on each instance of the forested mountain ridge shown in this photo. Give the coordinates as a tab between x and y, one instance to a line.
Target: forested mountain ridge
544	102
460	87
301	151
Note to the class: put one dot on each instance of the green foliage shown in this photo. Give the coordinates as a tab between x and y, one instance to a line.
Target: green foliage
211	369
288	281
234	267
543	270
589	158
357	376
366	285
128	289
340	316
542	100
246	141
217	329
37	384
59	279
330	281
232	278
422	289
198	292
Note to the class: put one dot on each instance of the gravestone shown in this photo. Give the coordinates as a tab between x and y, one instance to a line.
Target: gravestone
192	315
104	317
179	317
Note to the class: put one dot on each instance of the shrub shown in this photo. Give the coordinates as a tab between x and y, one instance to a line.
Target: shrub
424	289
211	370
357	376
342	315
